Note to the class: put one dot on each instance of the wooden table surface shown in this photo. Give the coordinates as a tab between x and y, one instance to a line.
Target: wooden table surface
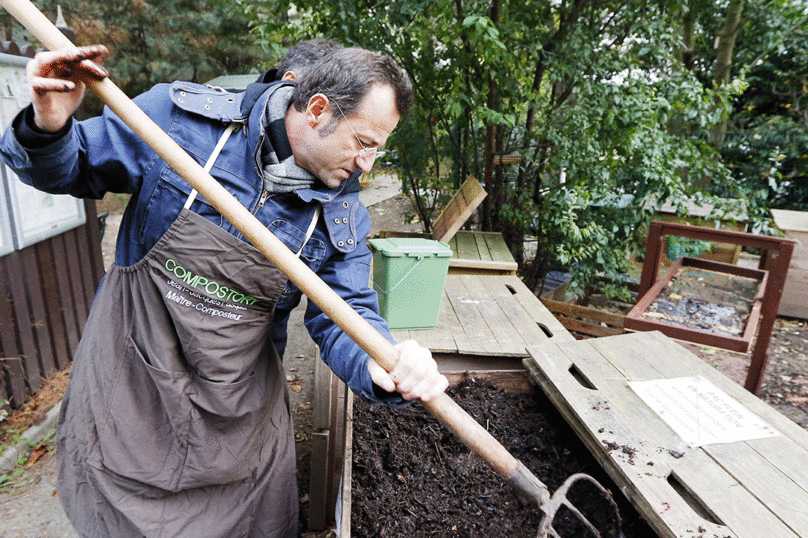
488	316
748	489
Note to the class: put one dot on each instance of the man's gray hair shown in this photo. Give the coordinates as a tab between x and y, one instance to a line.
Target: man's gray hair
346	75
304	54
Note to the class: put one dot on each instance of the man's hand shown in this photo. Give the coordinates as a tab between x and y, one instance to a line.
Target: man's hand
57	81
415	376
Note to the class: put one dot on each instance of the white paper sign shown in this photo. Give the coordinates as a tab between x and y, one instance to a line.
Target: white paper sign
701	413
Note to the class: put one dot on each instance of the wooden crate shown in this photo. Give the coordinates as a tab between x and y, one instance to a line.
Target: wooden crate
513	381
794	224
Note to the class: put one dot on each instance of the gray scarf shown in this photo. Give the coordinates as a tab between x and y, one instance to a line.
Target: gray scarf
281	176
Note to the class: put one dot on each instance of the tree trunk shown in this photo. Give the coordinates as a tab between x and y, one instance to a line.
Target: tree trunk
490	138
725	44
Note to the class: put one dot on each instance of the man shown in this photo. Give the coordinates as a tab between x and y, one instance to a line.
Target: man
176	421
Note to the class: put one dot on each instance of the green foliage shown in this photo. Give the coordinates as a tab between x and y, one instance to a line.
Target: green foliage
602	105
590	95
4	407
155	41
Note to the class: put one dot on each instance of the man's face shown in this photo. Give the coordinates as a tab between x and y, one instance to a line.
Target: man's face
334	156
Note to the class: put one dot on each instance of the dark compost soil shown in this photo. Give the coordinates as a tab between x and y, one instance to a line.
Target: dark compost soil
412	477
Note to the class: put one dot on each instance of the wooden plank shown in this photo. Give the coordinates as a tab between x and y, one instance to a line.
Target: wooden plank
78	238
22	314
681	363
484	253
76	280
318	480
322	397
54	310
439	339
712	496
528	331
724	494
646	486
558	307
95	255
508	338
589	329
511	381
62	274
459	209
465	247
15	380
8	338
540	314
774	472
39	316
344	525
478	337
773	482
481	266
499	249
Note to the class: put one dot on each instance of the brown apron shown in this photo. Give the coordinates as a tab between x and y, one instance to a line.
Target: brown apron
176	421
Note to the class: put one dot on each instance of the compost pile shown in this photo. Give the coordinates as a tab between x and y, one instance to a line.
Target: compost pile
413	478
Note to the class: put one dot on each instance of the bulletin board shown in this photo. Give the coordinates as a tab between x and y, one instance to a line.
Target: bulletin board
31	215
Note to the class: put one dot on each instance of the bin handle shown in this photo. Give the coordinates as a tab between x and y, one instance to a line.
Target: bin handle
386	292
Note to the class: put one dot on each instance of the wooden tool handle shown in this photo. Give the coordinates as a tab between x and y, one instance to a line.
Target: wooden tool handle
362	332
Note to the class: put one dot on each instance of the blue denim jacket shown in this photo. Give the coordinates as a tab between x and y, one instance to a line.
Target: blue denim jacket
103	155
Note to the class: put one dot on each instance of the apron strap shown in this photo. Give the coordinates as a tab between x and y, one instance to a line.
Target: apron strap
310	231
208	165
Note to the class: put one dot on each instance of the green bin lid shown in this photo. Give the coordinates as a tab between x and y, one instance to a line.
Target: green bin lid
398	247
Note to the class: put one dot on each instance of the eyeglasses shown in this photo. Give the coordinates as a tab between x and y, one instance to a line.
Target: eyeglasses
365	152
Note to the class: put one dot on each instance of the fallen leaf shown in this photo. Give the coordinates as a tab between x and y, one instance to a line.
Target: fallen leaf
37	453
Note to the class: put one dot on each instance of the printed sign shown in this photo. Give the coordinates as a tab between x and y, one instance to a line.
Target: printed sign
701	413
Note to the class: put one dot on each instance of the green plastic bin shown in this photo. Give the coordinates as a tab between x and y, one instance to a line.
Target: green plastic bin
409	275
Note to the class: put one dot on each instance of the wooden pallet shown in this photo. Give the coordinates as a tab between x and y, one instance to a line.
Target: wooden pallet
586	322
746	489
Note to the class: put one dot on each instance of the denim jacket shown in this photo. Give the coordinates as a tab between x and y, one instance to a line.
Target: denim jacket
102	154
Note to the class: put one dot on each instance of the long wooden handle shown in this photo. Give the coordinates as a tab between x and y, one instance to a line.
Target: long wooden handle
362	332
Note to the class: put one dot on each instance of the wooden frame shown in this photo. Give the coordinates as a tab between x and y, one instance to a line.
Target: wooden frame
775	251
691	334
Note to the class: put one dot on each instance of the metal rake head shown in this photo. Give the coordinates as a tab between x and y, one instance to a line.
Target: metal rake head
560	499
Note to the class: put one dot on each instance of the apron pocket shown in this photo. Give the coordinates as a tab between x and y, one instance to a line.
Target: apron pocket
147	423
228	400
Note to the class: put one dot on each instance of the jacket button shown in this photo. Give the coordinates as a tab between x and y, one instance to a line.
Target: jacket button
350	241
341	244
345	220
336	221
345	205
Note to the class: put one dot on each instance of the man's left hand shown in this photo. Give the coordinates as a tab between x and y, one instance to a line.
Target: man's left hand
415	376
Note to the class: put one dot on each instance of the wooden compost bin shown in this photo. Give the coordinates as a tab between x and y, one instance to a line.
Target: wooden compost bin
511	381
794	224
697	215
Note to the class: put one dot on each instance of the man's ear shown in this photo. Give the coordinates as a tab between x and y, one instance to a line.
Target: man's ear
318	105
289	76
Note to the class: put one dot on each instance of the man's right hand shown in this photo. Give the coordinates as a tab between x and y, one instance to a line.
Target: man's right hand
57	81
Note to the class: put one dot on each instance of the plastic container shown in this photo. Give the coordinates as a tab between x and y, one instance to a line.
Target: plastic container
409	275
